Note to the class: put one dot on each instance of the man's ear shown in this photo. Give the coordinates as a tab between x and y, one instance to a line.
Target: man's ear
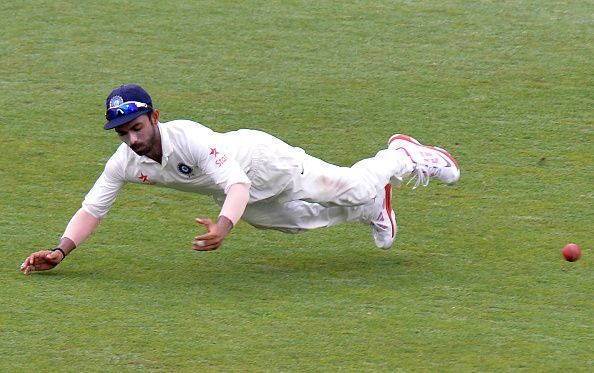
155	116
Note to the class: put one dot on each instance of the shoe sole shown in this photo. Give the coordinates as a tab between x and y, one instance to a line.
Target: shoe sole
414	141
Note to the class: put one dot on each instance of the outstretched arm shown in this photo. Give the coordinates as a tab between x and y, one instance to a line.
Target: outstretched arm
79	228
232	210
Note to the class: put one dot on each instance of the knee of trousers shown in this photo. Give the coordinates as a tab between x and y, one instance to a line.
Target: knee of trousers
359	194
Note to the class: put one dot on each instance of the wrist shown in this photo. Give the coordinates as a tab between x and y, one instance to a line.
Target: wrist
61	251
225	223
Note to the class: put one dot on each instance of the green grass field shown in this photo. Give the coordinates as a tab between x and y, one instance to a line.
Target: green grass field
476	281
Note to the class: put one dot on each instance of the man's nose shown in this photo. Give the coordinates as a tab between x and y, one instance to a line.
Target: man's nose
132	137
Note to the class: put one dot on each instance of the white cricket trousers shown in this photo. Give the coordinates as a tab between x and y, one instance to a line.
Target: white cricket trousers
293	191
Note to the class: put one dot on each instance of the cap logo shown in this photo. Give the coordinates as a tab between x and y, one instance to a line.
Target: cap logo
115	101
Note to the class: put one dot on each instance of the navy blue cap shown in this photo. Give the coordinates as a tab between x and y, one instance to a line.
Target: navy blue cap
127	92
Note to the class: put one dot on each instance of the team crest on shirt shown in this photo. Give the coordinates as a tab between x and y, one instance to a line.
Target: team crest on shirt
185	169
115	101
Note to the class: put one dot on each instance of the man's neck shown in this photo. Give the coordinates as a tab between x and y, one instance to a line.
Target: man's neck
156	153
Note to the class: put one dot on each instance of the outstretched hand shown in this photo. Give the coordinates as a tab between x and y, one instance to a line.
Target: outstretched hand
41	261
216	233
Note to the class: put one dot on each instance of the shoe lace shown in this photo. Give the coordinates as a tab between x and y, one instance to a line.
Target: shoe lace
421	175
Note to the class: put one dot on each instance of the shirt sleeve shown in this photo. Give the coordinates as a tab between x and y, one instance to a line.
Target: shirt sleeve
216	162
103	194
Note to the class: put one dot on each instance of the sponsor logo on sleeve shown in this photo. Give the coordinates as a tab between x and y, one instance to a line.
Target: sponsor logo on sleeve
219	157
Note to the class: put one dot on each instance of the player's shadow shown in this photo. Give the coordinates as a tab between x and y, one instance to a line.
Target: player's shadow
253	273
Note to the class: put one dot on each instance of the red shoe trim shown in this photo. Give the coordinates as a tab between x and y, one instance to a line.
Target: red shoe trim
411	140
446	154
388	189
403	137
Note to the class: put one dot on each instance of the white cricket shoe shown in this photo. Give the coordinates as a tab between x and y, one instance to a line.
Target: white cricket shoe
383	225
428	161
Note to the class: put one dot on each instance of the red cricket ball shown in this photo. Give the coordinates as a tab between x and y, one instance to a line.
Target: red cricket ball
571	252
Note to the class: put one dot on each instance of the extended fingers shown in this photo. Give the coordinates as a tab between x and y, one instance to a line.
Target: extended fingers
200	244
205	236
24	264
40	261
29	269
30	261
25	267
204	221
28	265
208	241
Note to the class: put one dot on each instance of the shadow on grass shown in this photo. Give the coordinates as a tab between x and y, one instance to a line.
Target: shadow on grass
220	269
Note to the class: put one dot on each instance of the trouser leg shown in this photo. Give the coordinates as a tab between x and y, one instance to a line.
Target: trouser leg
324	194
298	216
329	185
315	193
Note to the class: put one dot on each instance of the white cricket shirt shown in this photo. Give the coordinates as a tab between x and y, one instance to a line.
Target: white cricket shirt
195	159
